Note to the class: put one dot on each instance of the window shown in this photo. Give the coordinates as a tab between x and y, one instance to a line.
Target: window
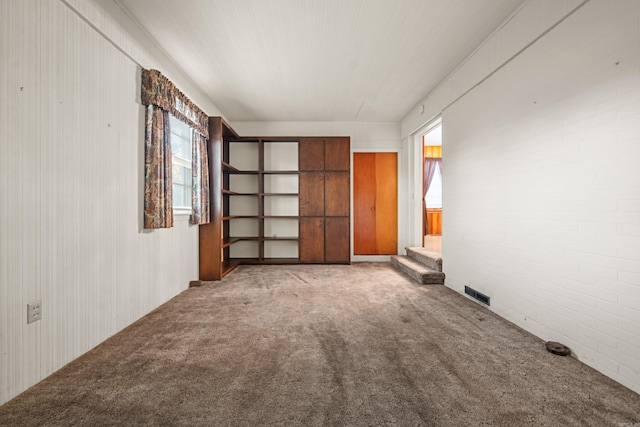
181	165
434	195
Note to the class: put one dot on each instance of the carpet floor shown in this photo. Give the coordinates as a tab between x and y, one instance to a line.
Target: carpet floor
357	345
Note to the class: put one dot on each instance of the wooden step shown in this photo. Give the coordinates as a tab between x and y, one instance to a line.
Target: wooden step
417	271
428	258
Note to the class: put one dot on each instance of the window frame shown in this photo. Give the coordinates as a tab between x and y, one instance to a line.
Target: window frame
432	189
177	160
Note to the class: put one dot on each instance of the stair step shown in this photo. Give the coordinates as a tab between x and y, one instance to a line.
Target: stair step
417	271
426	257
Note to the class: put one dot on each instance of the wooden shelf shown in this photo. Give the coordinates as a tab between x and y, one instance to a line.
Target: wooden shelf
227	267
226	167
227	218
280	172
228	241
233	171
283	238
258	261
236	193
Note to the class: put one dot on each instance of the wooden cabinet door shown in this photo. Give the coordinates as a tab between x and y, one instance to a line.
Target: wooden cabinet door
364	204
375	204
337	154
336	239
336	188
312	239
311	154
324	197
311	193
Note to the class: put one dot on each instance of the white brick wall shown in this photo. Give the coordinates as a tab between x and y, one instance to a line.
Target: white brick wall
542	188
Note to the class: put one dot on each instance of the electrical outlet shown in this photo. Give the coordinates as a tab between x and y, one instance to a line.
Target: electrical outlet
34	311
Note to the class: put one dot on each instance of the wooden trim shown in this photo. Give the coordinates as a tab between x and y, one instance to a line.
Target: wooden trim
210	248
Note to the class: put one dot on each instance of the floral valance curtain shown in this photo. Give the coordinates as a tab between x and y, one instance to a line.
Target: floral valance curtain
161	98
160	91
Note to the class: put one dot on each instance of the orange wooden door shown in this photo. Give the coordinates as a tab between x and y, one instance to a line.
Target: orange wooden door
375	203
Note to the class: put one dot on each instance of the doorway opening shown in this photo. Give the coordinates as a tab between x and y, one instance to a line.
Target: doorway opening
432	187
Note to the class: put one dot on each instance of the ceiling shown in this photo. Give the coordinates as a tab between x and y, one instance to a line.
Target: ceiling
318	60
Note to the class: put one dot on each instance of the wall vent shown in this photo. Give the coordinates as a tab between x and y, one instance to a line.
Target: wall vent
477	295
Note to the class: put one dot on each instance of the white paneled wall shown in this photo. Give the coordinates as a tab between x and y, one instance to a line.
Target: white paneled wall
114	23
542	188
533	20
71	171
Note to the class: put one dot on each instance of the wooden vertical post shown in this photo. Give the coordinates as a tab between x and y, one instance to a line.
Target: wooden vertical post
211	234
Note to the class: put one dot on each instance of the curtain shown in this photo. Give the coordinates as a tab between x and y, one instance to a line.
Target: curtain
200	175
162	97
430	166
158	204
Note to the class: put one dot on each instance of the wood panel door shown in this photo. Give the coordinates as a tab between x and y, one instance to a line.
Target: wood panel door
311	192
375	203
324	194
337	154
311	154
336	189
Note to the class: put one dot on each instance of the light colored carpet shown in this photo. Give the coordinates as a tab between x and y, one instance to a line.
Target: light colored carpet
357	345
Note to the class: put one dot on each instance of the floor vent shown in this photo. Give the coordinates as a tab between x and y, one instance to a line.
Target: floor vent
477	295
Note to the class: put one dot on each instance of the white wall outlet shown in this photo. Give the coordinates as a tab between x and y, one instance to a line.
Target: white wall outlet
34	311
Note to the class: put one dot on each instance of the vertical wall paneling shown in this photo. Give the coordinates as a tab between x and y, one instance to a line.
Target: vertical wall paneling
71	170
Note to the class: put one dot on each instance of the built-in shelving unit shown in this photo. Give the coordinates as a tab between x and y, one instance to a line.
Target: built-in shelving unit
274	201
260	201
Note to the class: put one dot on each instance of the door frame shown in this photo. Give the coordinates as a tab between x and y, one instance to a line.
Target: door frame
416	179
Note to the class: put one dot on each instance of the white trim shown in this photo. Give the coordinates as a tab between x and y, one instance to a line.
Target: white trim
416	151
181	161
182	211
434	122
370	258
